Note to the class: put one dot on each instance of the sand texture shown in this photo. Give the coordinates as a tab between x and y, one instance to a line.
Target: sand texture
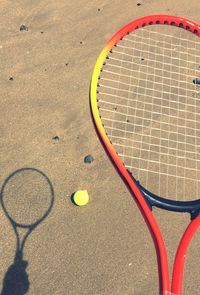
103	248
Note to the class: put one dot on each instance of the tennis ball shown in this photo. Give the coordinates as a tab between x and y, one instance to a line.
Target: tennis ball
81	197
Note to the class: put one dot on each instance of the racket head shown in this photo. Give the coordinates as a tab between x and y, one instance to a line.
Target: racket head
154	199
27	197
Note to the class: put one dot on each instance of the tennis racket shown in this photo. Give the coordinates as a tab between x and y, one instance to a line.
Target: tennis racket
27	198
145	104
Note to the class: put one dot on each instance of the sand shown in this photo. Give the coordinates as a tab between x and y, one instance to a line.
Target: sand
103	248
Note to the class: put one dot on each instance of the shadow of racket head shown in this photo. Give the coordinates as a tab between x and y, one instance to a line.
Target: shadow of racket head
27	197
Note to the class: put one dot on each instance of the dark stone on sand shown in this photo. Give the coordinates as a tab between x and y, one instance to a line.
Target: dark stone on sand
88	159
23	28
56	137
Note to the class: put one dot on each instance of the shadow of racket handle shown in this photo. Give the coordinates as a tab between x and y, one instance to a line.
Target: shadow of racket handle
18	256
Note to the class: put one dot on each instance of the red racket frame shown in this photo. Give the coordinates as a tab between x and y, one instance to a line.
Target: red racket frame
164	277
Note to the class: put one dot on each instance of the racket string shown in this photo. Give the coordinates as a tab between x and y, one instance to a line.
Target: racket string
185	126
136	107
196	127
149	155
178	112
160	133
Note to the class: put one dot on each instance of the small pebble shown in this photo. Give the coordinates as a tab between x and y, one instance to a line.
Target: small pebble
196	81
11	78
88	159
23	28
139	4
56	138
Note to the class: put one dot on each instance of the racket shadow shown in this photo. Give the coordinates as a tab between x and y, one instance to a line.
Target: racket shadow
20	183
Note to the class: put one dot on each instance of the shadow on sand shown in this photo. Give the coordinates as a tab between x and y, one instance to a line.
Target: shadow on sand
27	197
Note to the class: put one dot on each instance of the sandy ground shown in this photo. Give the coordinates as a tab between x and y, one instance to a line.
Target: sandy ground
103	248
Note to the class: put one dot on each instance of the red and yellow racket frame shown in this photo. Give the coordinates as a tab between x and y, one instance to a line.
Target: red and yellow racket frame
126	176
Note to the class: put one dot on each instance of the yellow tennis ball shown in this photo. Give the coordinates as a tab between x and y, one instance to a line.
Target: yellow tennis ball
81	198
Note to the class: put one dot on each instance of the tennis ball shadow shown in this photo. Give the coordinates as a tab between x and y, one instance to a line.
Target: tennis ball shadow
16	279
72	199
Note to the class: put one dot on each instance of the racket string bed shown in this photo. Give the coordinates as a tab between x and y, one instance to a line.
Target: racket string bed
146	100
